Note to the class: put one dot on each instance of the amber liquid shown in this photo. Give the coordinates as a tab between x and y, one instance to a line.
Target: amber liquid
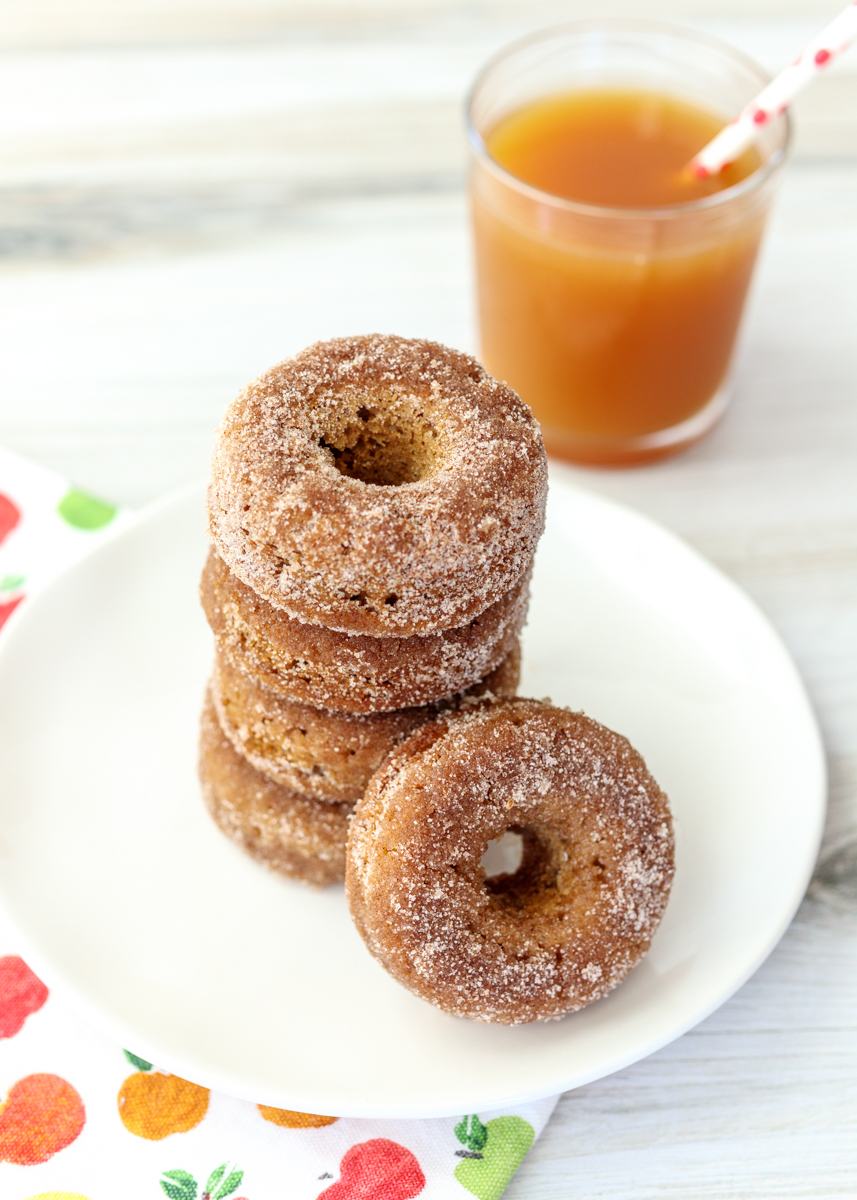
613	331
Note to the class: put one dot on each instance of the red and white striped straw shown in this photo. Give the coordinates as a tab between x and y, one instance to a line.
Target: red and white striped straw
732	141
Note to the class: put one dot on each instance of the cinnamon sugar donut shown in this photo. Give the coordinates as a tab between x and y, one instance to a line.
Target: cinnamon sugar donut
291	834
353	673
378	485
593	882
329	756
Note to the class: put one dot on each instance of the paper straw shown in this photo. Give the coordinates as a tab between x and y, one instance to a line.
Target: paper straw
732	141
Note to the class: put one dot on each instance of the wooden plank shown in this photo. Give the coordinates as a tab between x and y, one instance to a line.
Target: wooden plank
122	22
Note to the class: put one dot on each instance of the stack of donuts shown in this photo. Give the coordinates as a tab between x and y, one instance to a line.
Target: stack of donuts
374	508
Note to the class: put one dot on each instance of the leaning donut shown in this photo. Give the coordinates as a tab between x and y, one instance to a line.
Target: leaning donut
353	673
378	485
581	909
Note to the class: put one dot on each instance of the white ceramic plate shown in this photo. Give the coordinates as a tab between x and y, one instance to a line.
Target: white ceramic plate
194	957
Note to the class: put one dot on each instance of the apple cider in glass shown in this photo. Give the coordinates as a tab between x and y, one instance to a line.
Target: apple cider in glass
610	280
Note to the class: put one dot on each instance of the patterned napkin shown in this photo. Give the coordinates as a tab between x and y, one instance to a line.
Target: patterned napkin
84	1119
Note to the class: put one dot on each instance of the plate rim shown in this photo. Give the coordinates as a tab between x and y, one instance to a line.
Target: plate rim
105	1021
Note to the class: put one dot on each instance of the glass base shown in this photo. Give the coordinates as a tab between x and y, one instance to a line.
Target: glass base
644	448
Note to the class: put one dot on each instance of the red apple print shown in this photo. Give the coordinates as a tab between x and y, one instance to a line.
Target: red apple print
42	1115
10	515
21	993
7	607
377	1170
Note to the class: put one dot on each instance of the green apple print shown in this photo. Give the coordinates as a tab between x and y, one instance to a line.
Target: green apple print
85	512
493	1153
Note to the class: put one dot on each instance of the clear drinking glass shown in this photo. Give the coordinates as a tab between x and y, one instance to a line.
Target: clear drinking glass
617	325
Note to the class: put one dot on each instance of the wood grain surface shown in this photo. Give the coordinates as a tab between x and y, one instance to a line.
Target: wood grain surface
189	191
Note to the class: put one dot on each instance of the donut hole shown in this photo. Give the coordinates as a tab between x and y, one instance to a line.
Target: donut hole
533	882
384	444
504	855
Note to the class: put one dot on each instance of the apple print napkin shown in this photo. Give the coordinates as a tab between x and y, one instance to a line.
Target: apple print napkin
83	1119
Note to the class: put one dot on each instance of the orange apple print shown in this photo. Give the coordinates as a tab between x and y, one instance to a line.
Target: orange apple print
377	1170
153	1105
294	1120
41	1115
21	993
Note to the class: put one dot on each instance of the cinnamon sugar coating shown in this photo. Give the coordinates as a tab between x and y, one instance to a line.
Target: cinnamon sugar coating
594	879
291	834
378	485
329	756
353	672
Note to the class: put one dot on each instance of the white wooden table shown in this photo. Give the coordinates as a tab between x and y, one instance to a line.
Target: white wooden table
189	192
